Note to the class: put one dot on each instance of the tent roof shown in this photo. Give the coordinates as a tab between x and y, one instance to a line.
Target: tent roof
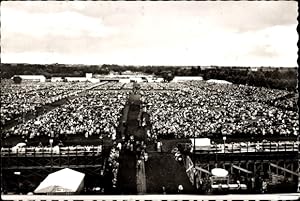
31	76
218	81
66	179
201	141
220	172
186	78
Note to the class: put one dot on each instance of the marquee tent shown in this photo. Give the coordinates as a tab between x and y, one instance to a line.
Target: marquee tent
219	172
218	81
65	181
201	143
186	78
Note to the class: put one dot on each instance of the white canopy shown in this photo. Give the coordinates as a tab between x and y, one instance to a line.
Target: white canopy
62	181
219	172
186	78
201	143
218	81
21	144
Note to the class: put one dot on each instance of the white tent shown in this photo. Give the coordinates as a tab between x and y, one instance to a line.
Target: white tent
186	78
201	143
63	181
219	172
40	78
218	81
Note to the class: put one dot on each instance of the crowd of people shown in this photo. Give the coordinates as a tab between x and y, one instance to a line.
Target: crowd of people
113	164
177	110
208	109
90	113
116	86
20	99
159	86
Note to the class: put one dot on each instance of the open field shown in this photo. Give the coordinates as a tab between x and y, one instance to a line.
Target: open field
90	115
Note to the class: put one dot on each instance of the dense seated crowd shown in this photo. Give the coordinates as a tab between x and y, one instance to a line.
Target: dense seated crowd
207	109
90	113
158	86
110	86
128	86
19	99
115	86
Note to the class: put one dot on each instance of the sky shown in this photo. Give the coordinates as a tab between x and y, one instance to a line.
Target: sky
236	33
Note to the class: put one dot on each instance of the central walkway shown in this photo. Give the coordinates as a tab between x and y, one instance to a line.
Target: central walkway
137	175
141	177
132	179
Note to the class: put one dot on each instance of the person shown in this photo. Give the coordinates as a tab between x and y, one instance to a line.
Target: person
180	188
164	190
131	147
264	186
138	150
146	157
144	122
51	142
60	143
139	162
239	184
40	144
200	184
159	148
140	118
252	183
131	138
119	146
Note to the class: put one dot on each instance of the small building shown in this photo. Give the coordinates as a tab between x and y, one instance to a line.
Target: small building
89	75
201	144
93	80
186	78
137	79
124	80
57	79
108	79
254	69
32	78
76	79
158	79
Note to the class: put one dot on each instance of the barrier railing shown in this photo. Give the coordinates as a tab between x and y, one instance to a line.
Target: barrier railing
285	146
213	149
52	151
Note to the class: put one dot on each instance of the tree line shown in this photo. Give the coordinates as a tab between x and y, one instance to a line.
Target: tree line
276	78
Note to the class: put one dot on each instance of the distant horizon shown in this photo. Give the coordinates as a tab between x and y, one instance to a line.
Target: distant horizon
127	65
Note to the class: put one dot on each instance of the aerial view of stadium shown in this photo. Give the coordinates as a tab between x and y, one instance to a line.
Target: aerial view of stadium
124	100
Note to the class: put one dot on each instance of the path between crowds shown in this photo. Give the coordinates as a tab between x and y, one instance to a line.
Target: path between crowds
127	175
161	169
141	177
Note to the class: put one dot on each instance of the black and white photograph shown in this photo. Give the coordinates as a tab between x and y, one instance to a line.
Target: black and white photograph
149	100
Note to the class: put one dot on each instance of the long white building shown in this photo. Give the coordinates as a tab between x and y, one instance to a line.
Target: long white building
33	78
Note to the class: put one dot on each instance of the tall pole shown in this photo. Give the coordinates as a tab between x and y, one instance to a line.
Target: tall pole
298	171
224	140
194	156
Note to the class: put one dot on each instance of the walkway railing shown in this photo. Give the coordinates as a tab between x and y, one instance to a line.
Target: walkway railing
285	146
213	149
52	151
